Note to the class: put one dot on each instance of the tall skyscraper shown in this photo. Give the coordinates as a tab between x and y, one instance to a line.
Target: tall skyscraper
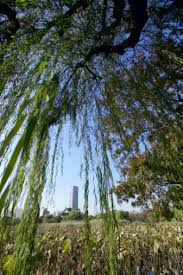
73	198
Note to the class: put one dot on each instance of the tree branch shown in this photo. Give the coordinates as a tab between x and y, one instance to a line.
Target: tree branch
178	4
138	9
119	6
91	72
11	14
6	10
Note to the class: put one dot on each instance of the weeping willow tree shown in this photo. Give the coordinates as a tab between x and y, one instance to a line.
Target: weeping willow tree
56	59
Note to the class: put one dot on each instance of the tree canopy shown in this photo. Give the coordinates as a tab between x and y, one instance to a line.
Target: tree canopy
146	103
58	59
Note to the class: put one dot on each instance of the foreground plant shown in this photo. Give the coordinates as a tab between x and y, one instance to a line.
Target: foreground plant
140	248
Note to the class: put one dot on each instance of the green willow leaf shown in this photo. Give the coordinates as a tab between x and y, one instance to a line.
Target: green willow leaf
25	3
3	198
42	66
9	169
12	134
29	130
24	105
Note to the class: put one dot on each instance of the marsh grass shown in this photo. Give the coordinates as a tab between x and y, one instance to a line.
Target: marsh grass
139	249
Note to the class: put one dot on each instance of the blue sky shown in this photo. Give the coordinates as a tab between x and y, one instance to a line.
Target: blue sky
71	176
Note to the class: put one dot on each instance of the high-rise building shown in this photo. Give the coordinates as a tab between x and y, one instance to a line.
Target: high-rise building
73	198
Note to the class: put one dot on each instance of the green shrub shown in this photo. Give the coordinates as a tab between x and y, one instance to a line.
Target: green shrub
75	215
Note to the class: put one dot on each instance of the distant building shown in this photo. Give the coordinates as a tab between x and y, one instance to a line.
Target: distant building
73	198
66	212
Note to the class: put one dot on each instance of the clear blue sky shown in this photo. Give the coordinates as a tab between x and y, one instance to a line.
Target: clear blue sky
71	170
